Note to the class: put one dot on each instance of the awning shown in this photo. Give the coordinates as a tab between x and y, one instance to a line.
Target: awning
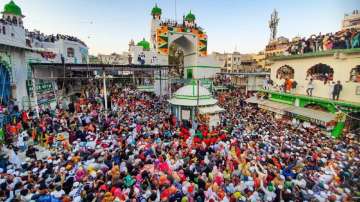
317	115
220	88
210	110
149	89
276	107
253	100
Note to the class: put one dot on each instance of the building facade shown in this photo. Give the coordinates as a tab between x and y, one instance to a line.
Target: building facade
113	59
20	47
351	20
332	67
319	72
246	71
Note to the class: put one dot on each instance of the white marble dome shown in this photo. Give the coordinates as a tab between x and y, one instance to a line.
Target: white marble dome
188	96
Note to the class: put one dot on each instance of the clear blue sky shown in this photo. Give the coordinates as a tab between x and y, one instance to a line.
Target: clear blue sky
108	25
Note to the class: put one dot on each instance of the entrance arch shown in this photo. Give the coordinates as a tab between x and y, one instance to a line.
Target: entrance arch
5	88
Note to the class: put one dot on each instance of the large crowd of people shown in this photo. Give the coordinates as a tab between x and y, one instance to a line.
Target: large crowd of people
137	151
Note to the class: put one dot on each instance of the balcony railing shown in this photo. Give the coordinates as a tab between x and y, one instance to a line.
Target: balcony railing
316	54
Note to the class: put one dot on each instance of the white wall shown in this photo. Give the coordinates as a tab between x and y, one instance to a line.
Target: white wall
342	66
14	35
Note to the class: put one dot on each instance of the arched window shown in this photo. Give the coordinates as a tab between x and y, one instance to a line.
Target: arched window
70	52
355	74
285	72
320	72
15	21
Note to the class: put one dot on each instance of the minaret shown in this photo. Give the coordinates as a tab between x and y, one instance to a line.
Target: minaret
12	13
155	23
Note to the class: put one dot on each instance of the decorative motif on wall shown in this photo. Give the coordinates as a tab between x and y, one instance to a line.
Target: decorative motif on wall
162	38
48	55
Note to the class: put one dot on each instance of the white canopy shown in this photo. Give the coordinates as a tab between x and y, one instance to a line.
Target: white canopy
211	109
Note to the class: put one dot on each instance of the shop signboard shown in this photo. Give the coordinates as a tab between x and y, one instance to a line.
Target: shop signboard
44	91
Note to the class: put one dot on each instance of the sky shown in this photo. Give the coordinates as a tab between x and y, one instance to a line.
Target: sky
107	26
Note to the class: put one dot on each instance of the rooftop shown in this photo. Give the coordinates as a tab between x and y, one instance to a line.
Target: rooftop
315	54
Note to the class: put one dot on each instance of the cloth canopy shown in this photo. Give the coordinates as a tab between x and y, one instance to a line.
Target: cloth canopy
210	110
313	114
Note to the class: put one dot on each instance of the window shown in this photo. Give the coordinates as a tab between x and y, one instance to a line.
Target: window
15	20
70	52
4	30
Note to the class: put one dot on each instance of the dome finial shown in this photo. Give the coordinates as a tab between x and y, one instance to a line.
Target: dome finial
190	17
12	8
156	10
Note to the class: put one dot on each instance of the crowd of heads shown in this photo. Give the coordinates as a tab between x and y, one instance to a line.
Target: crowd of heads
176	24
345	39
41	37
138	151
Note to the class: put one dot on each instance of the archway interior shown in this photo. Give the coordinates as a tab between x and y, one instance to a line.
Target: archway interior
321	72
176	58
181	54
285	72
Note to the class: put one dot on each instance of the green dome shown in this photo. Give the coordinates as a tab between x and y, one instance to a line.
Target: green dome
156	10
190	17
12	8
145	44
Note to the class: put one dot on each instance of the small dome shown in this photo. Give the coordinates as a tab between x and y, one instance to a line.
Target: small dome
156	10
192	91
145	44
12	8
190	17
188	96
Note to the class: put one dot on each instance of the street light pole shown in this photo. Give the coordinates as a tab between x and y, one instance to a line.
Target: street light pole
104	89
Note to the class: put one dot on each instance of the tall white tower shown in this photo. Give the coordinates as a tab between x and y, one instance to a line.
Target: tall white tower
155	23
